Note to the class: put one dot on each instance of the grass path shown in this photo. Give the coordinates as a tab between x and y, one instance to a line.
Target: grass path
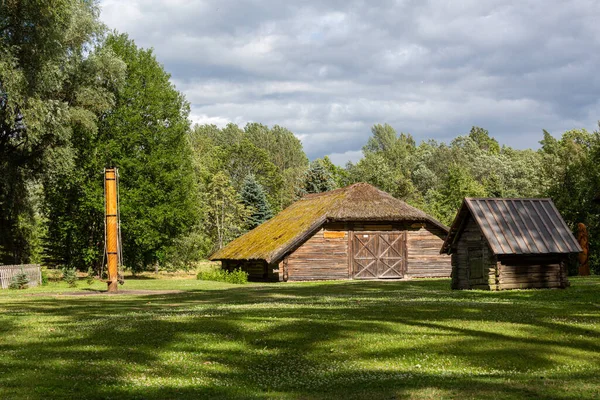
347	340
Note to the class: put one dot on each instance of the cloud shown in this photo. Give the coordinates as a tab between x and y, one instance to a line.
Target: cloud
342	159
328	70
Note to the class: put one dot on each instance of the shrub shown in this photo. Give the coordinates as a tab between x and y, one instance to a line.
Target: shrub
186	251
90	276
45	277
54	275
19	281
220	275
70	276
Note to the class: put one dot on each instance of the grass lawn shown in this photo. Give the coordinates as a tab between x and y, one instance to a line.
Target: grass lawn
349	340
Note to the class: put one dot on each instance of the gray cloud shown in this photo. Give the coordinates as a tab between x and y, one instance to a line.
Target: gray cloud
329	70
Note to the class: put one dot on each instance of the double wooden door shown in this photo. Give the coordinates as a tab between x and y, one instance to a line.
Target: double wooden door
378	255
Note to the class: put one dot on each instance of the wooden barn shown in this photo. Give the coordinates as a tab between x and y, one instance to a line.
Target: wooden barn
500	244
357	232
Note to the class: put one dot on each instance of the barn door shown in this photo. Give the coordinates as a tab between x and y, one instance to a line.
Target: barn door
391	255
365	256
378	255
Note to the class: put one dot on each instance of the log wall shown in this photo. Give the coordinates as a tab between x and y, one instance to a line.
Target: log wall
526	272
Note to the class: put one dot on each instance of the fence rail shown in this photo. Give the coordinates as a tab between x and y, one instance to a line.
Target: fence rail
33	271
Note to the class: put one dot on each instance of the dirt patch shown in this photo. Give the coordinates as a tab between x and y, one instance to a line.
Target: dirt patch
105	293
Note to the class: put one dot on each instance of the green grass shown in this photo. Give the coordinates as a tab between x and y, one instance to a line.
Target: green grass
349	340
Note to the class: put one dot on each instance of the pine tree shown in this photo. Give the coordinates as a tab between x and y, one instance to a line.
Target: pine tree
254	198
318	178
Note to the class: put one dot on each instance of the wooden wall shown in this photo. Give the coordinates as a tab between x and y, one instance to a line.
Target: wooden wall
471	250
323	256
423	244
525	272
475	267
326	254
257	270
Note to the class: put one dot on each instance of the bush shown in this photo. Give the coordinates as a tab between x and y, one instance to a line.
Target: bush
70	276
90	276
54	275
186	251
19	281
220	275
45	277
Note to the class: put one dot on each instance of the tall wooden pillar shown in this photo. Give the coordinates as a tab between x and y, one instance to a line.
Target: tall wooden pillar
112	228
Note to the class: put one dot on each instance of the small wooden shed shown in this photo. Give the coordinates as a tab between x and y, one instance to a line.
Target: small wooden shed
357	232
500	244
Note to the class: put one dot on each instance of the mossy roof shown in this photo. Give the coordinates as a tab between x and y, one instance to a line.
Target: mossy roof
271	240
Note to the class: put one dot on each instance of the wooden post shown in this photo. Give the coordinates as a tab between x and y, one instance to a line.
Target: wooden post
112	228
583	239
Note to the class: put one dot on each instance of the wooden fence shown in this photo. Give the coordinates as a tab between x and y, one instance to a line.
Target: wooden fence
33	271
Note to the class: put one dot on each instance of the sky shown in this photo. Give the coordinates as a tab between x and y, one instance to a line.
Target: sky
328	70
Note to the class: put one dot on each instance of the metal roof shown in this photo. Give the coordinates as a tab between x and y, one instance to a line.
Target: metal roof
517	226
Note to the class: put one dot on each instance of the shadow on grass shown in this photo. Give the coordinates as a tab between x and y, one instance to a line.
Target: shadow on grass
327	340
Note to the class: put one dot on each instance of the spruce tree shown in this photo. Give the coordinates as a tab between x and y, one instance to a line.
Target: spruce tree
254	197
318	178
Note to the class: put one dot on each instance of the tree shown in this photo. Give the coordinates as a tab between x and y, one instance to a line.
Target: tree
388	161
458	184
285	152
572	175
340	175
483	140
254	198
245	158
318	179
225	212
375	169
51	84
145	135
383	139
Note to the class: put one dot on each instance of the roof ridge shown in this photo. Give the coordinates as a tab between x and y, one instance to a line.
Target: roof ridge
508	198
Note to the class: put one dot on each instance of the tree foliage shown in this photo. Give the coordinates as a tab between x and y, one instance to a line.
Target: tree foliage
272	157
255	200
318	178
50	85
225	212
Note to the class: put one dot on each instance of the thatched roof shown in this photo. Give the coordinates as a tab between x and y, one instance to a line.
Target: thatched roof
359	202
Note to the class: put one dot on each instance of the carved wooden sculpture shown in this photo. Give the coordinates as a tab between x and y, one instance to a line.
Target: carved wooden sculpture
583	239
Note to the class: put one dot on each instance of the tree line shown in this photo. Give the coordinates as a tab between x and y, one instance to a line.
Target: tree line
76	98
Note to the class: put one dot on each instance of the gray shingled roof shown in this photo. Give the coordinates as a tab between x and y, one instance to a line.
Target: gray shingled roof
516	226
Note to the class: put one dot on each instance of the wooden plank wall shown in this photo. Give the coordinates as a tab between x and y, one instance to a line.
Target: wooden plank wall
320	257
471	237
423	246
526	272
326	254
489	280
